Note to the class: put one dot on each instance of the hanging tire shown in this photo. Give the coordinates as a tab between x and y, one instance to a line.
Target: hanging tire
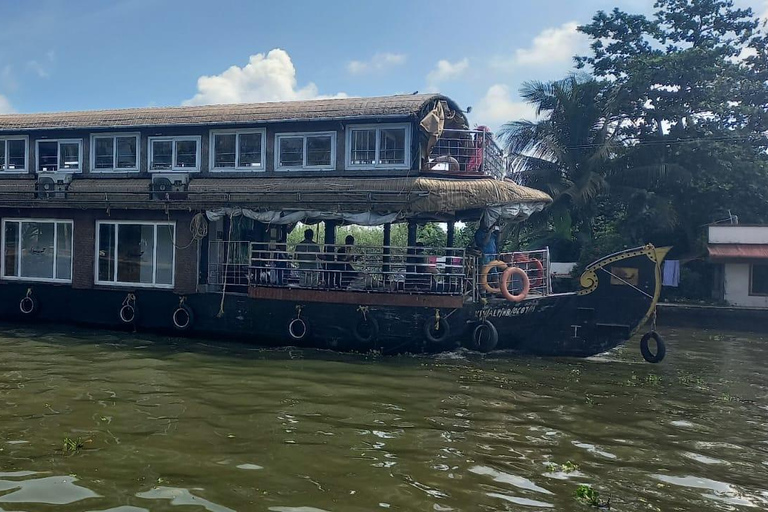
437	332
128	314
366	330
661	349
485	337
298	329
183	318
29	306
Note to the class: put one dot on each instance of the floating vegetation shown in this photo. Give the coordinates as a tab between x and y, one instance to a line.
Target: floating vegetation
568	467
649	380
74	445
587	495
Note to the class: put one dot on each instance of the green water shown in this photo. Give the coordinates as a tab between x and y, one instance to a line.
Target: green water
181	425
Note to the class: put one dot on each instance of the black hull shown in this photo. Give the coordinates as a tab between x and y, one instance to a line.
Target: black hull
593	320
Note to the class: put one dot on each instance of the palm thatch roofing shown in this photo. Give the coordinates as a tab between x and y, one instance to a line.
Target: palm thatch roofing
397	106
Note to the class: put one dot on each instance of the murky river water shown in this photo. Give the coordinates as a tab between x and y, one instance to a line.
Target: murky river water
182	425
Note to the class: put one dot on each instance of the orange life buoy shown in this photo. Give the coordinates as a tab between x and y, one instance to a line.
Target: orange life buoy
505	281
484	275
537	281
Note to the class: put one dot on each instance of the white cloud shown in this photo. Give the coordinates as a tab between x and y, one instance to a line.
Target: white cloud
378	63
497	107
445	70
554	45
37	68
270	77
8	79
5	105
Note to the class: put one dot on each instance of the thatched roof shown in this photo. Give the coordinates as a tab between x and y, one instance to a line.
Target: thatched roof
399	106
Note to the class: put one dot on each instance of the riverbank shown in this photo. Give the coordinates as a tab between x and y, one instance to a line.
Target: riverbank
713	317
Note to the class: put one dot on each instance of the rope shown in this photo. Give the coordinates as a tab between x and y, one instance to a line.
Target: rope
182	300
299	307
364	311
226	266
627	283
129	300
437	319
198	226
29	292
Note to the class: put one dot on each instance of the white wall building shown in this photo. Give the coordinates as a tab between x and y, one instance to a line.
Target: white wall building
741	253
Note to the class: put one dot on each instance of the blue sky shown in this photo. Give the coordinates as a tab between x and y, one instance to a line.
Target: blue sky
89	54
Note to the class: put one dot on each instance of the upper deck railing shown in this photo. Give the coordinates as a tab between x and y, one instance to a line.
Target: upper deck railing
467	152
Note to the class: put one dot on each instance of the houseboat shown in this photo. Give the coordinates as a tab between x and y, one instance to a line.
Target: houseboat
176	220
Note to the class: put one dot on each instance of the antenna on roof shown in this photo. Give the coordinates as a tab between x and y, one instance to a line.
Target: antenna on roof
415	92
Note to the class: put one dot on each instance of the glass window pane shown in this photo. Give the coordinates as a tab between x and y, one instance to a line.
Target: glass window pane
224	150
319	151
64	250
363	151
291	152
104	153
135	245
69	155
392	146
48	156
165	240
107	252
11	248
186	153
162	154
759	280
37	249
17	154
250	150
126	153
2	155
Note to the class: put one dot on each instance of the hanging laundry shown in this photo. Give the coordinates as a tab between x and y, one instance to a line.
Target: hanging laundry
671	273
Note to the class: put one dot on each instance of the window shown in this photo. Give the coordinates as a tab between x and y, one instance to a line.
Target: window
240	150
59	155
118	152
305	151
758	279
174	154
13	154
135	253
37	250
379	146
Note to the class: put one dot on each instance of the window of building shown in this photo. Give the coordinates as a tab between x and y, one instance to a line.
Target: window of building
37	250
13	154
316	151
174	154
135	253
379	146
238	150
59	155
115	152
758	279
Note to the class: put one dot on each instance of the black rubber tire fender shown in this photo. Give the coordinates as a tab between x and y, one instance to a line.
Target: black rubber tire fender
438	335
368	324
298	329
485	345
645	350
29	305
183	318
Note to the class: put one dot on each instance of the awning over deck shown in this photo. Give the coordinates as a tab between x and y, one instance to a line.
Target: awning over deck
721	252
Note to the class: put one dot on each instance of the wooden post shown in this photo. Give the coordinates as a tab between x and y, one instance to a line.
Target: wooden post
451	234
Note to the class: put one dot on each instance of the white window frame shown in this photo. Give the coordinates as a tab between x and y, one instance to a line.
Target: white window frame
304	166
114	137
5	139
174	139
237	133
378	127
154	255
55	223
79	143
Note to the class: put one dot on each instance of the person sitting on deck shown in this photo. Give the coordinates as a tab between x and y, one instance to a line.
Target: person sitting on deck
423	277
345	273
307	254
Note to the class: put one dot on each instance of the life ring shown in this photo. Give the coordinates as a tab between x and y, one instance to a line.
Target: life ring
485	337
183	318
436	330
28	305
298	329
661	349
484	275
505	282
366	330
128	314
536	282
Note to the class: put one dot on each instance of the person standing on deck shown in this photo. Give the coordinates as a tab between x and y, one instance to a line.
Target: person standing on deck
487	240
346	273
307	254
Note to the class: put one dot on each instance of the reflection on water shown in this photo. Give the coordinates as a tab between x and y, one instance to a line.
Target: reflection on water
180	425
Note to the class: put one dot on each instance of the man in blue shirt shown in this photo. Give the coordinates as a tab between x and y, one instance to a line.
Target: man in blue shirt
487	240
